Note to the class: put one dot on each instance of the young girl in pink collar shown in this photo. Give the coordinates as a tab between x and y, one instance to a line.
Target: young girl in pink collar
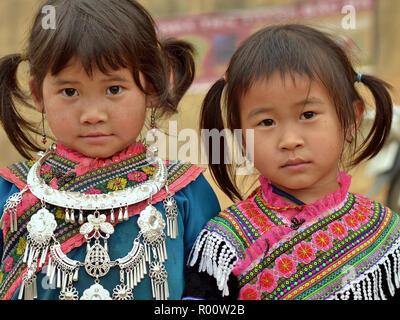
302	234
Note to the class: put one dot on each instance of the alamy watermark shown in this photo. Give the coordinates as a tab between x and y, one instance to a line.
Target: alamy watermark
227	147
49	18
349	20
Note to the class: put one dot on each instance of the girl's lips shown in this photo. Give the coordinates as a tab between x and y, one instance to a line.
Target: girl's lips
296	164
96	138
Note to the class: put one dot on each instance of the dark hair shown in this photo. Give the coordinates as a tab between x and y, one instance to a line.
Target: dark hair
103	34
293	49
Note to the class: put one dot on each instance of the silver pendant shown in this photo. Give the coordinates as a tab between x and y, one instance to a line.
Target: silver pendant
97	261
40	231
11	206
69	294
151	224
159	284
96	292
171	211
122	292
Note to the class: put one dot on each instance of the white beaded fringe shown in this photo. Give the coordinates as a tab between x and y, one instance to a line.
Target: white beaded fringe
365	289
219	265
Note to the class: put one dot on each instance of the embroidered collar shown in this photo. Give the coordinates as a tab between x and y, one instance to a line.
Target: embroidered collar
86	163
73	171
274	201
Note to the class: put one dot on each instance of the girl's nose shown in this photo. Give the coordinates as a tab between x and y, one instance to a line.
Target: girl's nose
291	140
93	114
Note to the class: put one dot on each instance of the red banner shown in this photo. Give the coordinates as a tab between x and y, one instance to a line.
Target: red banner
216	36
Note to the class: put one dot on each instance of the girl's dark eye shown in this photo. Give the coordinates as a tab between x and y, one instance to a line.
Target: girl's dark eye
114	90
267	123
308	115
70	92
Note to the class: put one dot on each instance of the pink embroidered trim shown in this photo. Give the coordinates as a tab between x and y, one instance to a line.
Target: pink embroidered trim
280	234
86	164
328	202
10	177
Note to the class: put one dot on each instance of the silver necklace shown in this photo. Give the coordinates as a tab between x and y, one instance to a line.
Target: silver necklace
147	255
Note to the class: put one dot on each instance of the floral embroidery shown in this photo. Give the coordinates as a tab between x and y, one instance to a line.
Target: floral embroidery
268	281
116	184
322	240
21	246
149	170
360	216
45	169
351	221
249	292
338	230
285	265
250	209
30	163
9	264
304	252
137	176
262	222
60	213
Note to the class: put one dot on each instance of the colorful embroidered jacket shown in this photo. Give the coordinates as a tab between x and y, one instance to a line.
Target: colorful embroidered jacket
68	170
344	246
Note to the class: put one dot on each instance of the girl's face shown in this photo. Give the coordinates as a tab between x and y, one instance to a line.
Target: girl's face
97	116
298	139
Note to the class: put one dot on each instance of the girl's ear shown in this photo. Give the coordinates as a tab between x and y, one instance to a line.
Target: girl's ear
151	100
359	108
36	96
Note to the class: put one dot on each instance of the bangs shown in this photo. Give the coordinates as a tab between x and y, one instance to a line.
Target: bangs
92	40
288	53
98	37
292	50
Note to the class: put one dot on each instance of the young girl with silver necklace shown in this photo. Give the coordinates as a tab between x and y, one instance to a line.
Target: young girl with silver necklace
99	215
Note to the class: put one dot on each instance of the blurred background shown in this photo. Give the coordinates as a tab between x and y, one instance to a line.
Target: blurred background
217	27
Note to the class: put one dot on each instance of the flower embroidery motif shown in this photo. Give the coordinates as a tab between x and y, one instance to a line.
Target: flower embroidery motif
60	213
262	222
249	292
267	281
285	265
304	252
45	169
359	216
116	184
149	170
322	240
21	246
338	230
351	222
9	264
137	176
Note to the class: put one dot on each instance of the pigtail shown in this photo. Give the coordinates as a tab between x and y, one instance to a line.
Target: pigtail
10	92
380	130
211	118
181	66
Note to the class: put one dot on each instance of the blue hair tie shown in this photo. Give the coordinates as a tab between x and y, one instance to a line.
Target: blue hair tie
359	77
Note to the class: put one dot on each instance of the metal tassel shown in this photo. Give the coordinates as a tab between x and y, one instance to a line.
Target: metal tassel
120	215
80	218
126	214
72	217
112	216
67	215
